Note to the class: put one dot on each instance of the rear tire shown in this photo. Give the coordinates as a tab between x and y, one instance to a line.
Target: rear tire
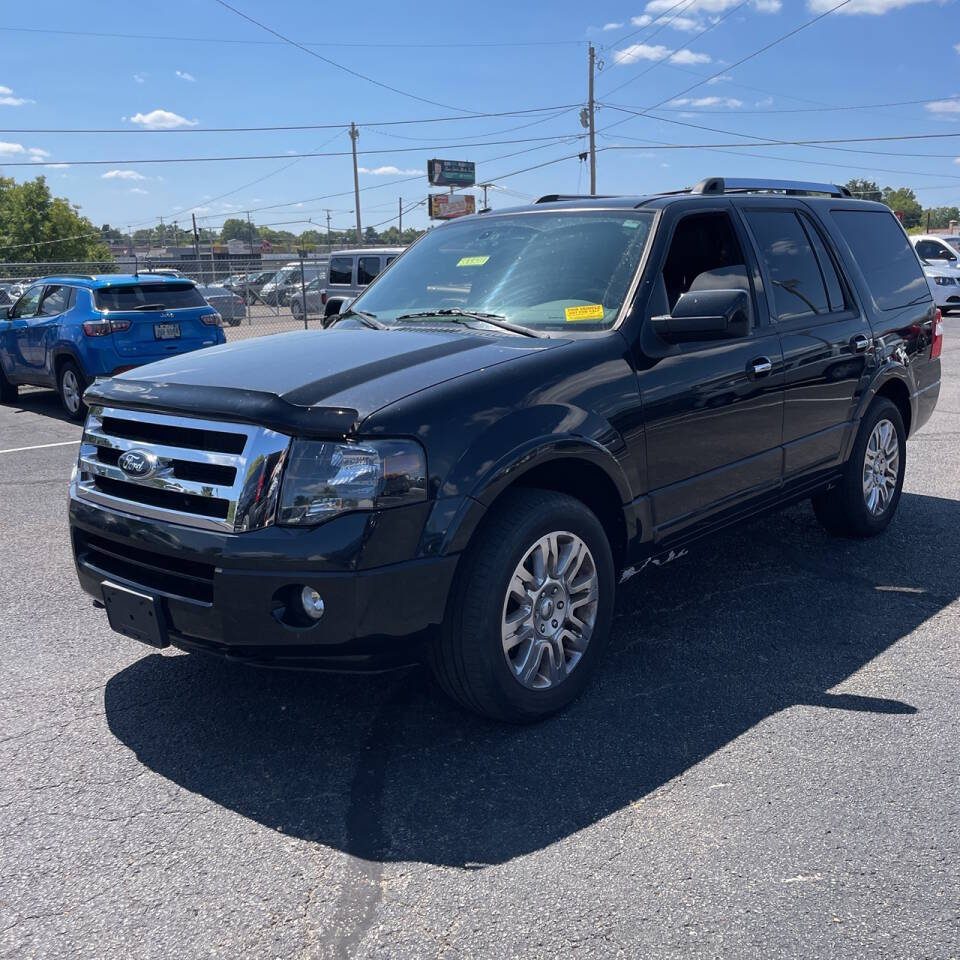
865	500
529	614
70	385
8	390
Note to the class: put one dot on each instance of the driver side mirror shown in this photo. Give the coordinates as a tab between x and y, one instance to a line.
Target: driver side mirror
706	315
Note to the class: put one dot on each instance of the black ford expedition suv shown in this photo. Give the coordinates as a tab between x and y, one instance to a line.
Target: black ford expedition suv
523	411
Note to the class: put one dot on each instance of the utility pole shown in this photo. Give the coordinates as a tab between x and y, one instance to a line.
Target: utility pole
591	110
400	215
162	237
328	231
354	135
196	239
485	187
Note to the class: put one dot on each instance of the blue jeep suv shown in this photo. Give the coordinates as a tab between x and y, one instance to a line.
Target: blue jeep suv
65	331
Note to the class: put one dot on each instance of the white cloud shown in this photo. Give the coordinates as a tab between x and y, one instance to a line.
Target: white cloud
37	152
7	99
640	51
183	75
765	102
957	160
138	190
720	6
612	26
644	20
871	7
722	78
730	102
57	166
139	77
686	24
122	175
956	47
10	149
161	120
391	171
689	58
944	106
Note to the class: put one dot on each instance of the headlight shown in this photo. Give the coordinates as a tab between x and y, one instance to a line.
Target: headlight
944	281
323	478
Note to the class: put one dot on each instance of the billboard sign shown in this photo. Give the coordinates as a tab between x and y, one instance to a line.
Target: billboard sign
447	206
452	173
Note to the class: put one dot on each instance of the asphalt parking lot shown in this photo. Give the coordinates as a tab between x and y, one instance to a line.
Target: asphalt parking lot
766	767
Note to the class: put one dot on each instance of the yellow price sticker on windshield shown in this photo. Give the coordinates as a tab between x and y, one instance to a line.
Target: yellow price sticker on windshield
472	261
592	311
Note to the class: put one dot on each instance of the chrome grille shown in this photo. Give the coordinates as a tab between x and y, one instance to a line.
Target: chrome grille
201	473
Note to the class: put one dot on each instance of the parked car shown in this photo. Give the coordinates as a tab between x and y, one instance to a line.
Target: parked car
230	307
320	303
352	271
287	281
528	408
65	331
944	285
937	249
161	272
249	285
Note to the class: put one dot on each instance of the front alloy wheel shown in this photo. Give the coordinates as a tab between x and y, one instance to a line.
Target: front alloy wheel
881	467
550	610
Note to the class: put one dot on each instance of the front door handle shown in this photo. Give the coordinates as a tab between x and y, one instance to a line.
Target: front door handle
859	343
759	367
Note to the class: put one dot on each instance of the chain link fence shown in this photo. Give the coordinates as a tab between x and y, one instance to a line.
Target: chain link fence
255	296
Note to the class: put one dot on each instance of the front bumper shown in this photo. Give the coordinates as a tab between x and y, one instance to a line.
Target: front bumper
227	593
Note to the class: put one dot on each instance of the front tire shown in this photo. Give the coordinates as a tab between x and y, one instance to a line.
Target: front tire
865	500
530	611
70	385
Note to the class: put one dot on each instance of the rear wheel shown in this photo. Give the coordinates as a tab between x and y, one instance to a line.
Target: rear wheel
530	612
865	500
8	390
70	385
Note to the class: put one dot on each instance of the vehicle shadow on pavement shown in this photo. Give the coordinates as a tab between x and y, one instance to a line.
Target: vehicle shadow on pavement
760	619
46	403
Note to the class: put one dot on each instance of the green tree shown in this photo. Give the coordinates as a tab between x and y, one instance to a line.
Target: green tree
36	226
237	229
940	217
864	189
904	201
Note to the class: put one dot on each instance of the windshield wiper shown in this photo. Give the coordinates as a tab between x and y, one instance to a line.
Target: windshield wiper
494	319
367	319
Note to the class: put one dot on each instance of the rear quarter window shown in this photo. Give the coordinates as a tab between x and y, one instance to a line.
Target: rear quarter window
156	296
885	256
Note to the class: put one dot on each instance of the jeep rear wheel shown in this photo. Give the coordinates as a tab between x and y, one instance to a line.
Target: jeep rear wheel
70	385
530	611
865	500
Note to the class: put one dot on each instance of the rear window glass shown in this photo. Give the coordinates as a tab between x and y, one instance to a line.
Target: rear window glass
156	296
341	269
884	254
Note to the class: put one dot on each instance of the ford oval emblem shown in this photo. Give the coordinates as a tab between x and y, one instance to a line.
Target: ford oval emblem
138	464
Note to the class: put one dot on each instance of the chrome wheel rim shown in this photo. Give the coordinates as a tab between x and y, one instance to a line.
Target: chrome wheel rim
71	391
881	467
550	610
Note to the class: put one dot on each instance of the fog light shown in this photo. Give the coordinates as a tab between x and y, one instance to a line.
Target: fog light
312	603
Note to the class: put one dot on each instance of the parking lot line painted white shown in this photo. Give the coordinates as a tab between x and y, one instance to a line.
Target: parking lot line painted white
41	446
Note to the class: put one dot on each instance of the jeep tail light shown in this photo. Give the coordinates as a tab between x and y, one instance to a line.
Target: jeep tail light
103	328
213	320
936	344
118	326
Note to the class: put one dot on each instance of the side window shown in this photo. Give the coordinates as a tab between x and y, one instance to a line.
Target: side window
885	257
389	261
930	250
367	269
54	301
798	287
704	255
341	270
27	305
828	267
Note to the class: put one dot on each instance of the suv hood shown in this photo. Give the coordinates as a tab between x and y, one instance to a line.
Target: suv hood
318	383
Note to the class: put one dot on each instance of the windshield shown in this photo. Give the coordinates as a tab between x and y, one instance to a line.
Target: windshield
160	296
548	270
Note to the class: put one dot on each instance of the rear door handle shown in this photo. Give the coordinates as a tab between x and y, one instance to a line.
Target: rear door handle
859	343
759	367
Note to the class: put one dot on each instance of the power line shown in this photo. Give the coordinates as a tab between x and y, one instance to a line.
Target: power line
443	44
291	127
742	60
656	63
283	156
818	109
682	3
333	63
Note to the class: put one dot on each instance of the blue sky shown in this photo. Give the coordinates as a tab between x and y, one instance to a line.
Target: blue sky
514	57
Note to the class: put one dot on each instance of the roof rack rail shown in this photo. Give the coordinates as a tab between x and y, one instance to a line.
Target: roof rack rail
714	185
554	197
75	276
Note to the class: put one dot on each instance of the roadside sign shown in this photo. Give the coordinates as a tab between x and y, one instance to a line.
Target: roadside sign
452	173
447	206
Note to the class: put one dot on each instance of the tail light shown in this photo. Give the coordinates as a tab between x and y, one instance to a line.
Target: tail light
103	328
936	343
213	320
323	297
